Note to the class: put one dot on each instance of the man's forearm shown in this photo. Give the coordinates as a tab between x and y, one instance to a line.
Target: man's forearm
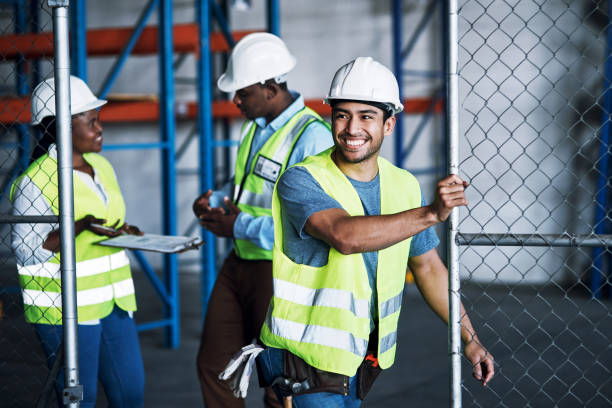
350	234
431	277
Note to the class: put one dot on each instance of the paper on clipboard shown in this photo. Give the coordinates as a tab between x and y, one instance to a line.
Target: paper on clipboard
152	242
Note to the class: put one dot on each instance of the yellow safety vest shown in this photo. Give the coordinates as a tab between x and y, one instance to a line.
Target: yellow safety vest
103	273
253	188
322	314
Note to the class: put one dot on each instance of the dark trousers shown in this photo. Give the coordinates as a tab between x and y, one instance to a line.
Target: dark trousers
236	311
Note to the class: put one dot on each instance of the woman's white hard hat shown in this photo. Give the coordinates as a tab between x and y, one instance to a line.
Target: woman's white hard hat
43	99
255	59
365	79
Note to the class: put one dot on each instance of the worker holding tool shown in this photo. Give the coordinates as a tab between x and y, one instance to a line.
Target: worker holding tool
280	131
348	224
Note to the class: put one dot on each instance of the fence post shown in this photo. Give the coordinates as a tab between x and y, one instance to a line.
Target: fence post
73	391
452	112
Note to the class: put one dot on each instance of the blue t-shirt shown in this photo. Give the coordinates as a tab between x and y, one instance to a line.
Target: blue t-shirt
301	196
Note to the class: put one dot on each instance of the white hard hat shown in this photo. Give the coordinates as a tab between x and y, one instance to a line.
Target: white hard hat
256	58
81	99
365	79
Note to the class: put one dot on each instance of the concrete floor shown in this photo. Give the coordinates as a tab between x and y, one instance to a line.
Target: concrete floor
552	348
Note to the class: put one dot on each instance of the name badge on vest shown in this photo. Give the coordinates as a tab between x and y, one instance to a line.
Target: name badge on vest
267	169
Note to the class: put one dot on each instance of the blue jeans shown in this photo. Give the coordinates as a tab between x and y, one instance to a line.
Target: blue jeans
271	363
108	351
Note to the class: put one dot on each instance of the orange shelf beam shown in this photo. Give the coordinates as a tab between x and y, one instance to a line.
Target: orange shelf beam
17	110
110	41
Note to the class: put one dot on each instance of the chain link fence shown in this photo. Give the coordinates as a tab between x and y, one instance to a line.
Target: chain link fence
534	122
26	59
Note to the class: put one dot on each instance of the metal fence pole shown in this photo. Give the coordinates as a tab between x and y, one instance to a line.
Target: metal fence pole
452	112
73	392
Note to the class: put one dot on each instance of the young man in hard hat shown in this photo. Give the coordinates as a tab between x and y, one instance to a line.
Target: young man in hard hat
347	225
279	132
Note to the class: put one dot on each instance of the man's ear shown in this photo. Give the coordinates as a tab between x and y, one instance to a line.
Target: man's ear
389	125
271	89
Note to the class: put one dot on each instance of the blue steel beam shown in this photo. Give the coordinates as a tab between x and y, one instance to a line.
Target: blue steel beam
226	124
603	170
225	143
419	28
78	38
137	146
421	126
397	67
157	284
34	28
205	147
20	28
222	21
399	55
166	87
154	325
273	17
127	49
21	89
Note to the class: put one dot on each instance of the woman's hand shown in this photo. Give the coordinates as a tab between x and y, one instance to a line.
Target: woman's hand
95	225
130	229
88	222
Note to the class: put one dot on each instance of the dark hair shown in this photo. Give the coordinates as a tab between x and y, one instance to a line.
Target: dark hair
386	109
45	135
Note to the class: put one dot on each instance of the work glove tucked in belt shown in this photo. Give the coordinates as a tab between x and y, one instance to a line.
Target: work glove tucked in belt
238	372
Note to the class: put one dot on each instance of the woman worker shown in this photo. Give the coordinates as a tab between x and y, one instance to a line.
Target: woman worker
108	342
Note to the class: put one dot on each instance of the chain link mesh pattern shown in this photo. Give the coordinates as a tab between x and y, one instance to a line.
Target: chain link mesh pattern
23	364
533	118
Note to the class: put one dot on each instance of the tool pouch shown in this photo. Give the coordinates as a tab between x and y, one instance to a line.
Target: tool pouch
301	378
366	375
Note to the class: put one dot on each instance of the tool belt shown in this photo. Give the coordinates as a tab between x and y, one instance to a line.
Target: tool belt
301	378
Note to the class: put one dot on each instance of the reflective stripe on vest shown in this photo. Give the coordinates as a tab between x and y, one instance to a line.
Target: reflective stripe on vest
84	268
340	299
86	297
103	273
313	334
252	189
332	334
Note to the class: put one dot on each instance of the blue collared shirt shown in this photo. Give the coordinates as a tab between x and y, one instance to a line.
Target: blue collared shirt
315	138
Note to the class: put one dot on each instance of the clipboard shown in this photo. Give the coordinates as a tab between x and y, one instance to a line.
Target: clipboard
168	244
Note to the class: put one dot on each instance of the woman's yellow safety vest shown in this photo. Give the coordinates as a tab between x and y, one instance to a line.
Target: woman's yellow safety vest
322	314
253	188
103	273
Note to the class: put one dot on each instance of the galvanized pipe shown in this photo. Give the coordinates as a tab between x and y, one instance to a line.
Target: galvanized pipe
29	219
73	390
542	240
452	117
